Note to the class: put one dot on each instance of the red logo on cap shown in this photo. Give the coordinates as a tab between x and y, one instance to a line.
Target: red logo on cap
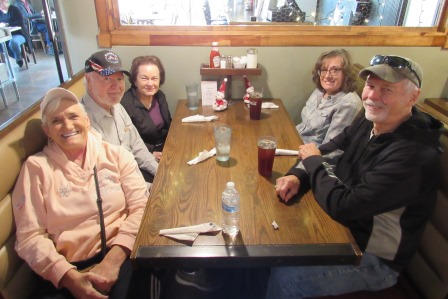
111	57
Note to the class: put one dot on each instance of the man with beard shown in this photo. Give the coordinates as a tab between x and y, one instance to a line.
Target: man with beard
383	188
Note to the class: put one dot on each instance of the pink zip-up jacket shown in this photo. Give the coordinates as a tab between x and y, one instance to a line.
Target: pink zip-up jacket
55	206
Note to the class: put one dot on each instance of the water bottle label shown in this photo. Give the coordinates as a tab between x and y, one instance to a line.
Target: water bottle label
229	208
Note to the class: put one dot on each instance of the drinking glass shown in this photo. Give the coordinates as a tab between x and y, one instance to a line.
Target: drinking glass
266	154
222	134
255	105
192	96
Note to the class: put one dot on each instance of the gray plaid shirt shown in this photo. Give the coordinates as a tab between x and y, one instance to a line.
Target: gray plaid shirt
118	129
324	119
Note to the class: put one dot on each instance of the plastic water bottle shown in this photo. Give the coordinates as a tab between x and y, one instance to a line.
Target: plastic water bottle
230	210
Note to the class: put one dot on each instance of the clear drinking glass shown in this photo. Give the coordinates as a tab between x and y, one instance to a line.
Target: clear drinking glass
223	135
192	96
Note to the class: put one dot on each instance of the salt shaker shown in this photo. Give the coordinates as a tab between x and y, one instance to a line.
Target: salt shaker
252	58
223	63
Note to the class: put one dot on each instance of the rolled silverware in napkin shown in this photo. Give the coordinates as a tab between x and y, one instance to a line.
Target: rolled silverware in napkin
286	152
198	118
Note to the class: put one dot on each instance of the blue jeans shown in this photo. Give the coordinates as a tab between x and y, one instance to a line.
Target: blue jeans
41	27
13	47
315	281
14	44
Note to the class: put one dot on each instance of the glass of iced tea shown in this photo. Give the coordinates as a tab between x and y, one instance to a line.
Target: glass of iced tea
266	154
255	102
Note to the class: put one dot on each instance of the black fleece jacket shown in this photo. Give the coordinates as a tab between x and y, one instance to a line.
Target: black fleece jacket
15	18
383	188
154	138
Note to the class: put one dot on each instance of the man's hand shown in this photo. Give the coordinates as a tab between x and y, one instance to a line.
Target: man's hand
287	187
109	268
81	284
158	155
308	150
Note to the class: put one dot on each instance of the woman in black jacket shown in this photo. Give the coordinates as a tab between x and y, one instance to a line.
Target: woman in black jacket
146	103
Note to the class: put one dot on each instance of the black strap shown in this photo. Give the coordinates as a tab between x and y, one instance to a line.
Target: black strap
99	203
94	260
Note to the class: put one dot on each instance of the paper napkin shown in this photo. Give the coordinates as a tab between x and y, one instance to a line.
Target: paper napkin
204	155
286	152
190	233
198	118
269	105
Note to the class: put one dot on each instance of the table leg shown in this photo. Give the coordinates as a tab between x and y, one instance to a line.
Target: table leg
3	95
16	90
10	72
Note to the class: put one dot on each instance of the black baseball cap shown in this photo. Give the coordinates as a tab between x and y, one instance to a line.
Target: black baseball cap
105	63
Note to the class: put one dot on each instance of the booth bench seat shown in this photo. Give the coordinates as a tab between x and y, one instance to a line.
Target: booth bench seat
20	139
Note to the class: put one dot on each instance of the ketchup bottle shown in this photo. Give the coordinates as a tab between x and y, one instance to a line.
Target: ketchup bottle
215	57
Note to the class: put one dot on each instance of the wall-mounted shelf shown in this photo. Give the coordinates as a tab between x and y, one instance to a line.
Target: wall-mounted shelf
206	70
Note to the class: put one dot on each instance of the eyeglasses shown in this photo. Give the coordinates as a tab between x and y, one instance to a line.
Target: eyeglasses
395	62
334	71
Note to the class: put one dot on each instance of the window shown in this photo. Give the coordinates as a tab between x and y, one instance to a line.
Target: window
333	23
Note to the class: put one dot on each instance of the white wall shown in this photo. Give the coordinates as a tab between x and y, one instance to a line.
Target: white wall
286	71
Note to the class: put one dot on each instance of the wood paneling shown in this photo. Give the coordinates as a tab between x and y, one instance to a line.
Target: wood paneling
112	33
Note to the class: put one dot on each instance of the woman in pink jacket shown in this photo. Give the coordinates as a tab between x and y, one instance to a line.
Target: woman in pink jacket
59	217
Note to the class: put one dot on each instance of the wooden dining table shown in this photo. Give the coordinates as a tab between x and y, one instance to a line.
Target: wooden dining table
185	195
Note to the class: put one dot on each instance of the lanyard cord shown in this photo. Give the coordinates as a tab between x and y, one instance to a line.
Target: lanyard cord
99	203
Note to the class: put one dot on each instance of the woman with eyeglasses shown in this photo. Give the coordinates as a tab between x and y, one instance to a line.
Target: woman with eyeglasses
334	103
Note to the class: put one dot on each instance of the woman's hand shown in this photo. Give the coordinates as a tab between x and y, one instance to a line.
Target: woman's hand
109	268
81	285
308	150
287	187
158	155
